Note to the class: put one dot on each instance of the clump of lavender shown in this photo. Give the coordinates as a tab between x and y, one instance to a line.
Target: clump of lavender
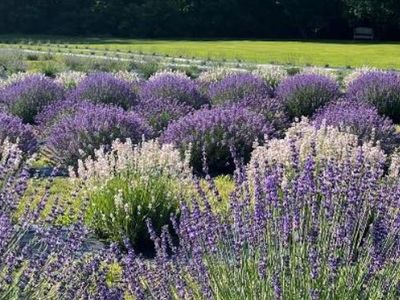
13	129
105	88
39	260
272	75
236	87
76	136
381	89
361	119
321	232
303	94
130	183
159	112
327	142
271	108
26	98
173	86
69	79
56	111
215	134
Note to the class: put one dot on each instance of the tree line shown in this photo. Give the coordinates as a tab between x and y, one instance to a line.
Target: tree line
201	18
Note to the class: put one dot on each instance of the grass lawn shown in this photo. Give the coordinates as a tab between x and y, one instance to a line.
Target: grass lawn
319	53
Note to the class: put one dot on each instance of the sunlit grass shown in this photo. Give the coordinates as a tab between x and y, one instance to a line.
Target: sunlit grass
319	53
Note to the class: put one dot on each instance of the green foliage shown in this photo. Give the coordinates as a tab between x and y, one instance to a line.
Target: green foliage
121	206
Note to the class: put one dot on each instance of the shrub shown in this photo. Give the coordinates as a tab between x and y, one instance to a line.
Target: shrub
380	89
16	132
304	93
16	77
70	79
12	61
321	71
361	119
26	98
214	75
234	88
131	183
272	75
56	111
39	260
160	112
131	77
76	136
176	86
328	142
323	233
215	132
271	108
105	88
355	74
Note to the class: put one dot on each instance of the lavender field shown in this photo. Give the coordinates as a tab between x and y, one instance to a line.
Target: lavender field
261	184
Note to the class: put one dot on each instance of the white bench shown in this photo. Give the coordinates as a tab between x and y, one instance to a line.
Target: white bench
363	33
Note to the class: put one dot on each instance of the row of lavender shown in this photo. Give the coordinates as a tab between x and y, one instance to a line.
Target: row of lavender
312	216
212	115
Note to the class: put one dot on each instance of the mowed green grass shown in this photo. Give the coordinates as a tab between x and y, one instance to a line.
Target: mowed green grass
317	53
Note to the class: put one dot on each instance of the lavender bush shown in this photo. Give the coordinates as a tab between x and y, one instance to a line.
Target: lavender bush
236	87
105	88
159	112
174	86
303	94
16	132
56	111
271	108
361	119
328	143
39	260
328	232
382	89
215	133
77	136
27	97
131	183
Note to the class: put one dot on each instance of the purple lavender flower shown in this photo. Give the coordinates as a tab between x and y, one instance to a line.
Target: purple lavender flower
214	132
302	94
78	135
361	119
271	108
12	128
26	98
159	112
56	111
105	88
175	87
381	89
236	87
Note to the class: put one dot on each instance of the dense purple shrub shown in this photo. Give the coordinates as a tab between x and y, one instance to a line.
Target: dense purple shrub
159	112
322	232
215	133
76	136
271	108
236	87
26	98
14	129
173	86
105	88
381	89
36	255
361	119
303	94
56	111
